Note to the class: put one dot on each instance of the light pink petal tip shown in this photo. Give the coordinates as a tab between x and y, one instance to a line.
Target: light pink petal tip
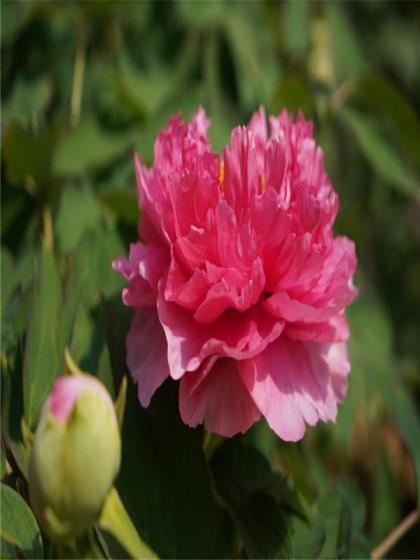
297	383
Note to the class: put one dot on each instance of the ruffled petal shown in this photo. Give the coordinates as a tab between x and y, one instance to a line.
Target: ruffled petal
147	353
235	335
219	399
297	383
143	269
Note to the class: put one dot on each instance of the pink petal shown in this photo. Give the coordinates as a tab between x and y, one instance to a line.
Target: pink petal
241	177
67	389
230	288
153	199
199	122
144	267
334	330
219	399
258	126
146	353
297	383
235	335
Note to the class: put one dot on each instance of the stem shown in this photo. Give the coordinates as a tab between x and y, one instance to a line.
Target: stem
115	519
210	443
395	535
47	233
78	73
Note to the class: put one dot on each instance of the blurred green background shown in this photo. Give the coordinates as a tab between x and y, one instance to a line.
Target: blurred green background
84	84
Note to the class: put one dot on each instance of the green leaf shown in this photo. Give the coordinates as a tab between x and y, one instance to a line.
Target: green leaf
201	14
243	478
241	34
88	147
406	417
296	26
7	270
18	524
172	507
28	155
264	528
380	154
42	362
27	100
386	100
78	213
240	471
344	45
123	204
12	406
308	538
343	512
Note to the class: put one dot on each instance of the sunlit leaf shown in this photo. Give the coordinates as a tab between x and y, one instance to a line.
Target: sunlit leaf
296	26
42	362
28	155
78	213
27	101
88	147
18	524
344	44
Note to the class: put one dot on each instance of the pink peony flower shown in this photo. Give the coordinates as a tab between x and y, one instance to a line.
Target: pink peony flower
239	286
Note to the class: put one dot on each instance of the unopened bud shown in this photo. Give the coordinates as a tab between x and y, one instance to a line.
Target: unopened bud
75	456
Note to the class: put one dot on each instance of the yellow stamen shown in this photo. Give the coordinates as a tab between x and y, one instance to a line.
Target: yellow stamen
262	183
221	176
222	171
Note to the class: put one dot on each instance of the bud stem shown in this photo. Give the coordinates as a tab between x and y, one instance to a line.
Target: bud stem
115	519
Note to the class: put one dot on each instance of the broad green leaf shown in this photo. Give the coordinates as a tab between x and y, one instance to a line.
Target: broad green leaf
12	407
18	525
385	508
28	155
379	152
407	419
172	507
241	34
263	527
344	44
243	479
42	362
28	100
78	212
342	512
240	471
296	26
202	14
122	203
87	147
375	387
386	100
308	538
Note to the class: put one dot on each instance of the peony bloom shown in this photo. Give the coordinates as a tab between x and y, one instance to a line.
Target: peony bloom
239	286
75	456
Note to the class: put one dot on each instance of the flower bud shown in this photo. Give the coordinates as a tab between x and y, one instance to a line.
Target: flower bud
75	456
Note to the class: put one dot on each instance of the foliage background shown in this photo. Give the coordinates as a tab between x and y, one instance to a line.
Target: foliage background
84	84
